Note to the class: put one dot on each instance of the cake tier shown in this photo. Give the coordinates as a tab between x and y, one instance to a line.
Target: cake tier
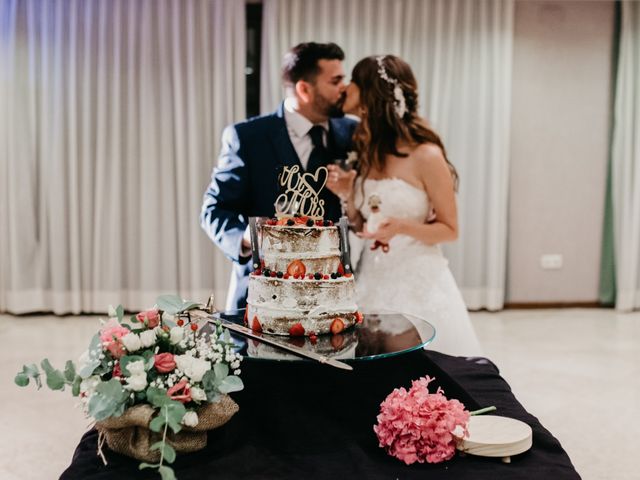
339	346
280	305
318	248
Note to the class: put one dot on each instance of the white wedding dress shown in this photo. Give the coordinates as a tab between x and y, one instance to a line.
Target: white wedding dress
412	277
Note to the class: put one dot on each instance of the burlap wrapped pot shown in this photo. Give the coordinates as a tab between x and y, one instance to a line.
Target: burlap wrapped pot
130	435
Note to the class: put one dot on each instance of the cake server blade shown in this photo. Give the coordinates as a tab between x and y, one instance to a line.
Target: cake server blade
269	340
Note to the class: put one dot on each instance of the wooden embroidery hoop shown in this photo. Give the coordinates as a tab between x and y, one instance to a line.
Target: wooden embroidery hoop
495	436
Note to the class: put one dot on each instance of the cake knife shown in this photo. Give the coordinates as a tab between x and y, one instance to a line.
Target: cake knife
343	225
255	252
247	332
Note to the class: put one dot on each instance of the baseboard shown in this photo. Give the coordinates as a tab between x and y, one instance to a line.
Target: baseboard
540	305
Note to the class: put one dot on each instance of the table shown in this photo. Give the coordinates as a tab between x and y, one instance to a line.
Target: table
303	420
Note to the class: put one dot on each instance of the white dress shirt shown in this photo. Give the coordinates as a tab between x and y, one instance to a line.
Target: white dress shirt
298	127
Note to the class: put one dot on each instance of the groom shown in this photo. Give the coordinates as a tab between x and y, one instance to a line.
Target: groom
307	130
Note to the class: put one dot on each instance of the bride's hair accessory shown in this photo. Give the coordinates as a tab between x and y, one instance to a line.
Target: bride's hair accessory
399	104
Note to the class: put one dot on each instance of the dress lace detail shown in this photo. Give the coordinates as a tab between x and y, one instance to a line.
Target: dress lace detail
412	277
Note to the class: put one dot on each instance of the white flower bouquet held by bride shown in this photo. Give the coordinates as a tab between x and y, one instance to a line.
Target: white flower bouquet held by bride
154	386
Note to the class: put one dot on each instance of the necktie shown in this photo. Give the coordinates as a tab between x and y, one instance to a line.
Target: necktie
319	154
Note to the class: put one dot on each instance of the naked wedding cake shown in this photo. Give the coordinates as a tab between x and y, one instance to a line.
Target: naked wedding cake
341	346
300	287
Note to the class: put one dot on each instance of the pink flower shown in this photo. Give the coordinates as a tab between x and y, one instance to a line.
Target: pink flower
416	426
151	318
180	392
110	335
164	362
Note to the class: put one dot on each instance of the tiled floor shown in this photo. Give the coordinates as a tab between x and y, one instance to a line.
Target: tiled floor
578	371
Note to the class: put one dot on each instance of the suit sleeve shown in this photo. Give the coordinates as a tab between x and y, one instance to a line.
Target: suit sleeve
224	209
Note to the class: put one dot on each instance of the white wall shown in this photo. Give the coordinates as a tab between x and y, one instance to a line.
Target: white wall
560	128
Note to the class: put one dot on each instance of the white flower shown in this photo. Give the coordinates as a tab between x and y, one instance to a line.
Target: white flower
88	385
194	368
138	382
197	394
148	338
131	342
112	312
190	419
136	368
176	335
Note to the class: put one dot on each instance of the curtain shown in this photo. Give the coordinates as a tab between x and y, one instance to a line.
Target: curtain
625	161
461	54
111	113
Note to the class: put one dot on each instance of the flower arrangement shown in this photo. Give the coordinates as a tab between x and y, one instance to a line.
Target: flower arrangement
160	373
418	426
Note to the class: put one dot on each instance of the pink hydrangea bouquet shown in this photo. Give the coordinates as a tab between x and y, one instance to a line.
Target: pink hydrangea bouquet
418	426
158	367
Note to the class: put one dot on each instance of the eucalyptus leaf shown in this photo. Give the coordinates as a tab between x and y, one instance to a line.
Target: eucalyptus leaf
231	384
173	412
144	465
169	453
186	306
21	380
95	346
69	371
166	473
75	387
171	304
221	370
157	445
28	371
120	313
156	424
87	370
55	378
108	400
157	396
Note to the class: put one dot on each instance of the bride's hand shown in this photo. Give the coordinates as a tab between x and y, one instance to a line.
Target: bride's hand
340	182
387	229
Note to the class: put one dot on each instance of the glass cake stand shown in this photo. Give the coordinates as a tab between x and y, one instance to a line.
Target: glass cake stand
381	335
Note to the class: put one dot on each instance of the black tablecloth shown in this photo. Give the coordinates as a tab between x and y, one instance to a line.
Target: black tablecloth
304	420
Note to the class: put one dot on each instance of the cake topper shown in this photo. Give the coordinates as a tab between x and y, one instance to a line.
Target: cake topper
301	192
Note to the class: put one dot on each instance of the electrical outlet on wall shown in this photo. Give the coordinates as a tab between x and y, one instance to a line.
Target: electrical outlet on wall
551	261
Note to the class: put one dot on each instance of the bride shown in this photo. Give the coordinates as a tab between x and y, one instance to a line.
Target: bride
403	203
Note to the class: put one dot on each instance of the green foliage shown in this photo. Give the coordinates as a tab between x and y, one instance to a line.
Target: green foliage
55	378
167	451
28	371
69	371
219	381
109	400
173	304
166	473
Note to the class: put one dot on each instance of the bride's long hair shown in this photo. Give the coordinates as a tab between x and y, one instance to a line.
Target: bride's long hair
382	129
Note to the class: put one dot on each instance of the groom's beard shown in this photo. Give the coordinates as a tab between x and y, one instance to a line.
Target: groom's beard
336	110
331	110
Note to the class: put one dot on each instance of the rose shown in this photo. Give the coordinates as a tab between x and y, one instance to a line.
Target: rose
194	368
131	342
198	395
137	382
180	391
110	335
164	362
148	338
190	419
151	318
176	335
135	368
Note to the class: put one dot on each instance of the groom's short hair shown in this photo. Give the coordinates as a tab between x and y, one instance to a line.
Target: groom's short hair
301	62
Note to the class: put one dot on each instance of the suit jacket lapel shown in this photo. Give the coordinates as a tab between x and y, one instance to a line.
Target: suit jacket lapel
286	154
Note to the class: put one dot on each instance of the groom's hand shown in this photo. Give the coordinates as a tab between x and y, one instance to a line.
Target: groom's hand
340	182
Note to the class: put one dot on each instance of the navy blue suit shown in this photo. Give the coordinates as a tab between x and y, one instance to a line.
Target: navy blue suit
245	184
